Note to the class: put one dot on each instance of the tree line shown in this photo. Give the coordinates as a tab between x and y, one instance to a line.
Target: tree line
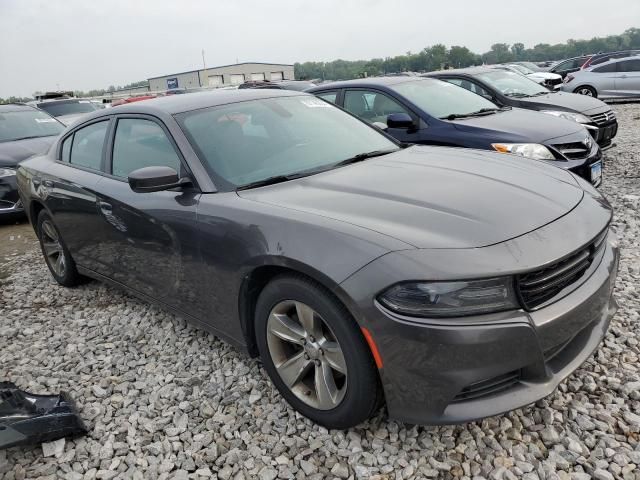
438	56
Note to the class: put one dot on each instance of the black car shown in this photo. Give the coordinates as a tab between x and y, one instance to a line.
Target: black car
433	112
66	110
295	85
24	132
450	284
600	58
508	88
570	65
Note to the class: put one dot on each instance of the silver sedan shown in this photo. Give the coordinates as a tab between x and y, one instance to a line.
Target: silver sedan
618	78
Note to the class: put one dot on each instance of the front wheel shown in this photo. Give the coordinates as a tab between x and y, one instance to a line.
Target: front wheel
315	354
586	90
55	252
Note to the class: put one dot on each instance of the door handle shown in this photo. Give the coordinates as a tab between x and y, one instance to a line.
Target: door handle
623	76
105	207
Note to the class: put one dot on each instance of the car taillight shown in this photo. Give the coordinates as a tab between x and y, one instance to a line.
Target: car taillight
568	78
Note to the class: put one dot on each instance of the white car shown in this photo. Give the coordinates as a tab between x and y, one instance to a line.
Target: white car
548	79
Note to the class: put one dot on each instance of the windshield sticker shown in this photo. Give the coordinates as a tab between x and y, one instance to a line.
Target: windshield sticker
315	103
45	120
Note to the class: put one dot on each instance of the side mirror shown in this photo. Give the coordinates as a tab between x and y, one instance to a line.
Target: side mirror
155	179
400	120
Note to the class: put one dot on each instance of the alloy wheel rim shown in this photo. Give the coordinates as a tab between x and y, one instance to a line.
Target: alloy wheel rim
53	248
587	92
307	355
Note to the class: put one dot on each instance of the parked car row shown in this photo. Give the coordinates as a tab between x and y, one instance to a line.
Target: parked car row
449	284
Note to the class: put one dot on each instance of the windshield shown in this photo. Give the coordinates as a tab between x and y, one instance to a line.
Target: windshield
66	108
22	124
521	69
511	84
249	142
442	99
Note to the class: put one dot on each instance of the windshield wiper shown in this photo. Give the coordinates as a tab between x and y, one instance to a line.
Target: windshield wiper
24	138
478	113
363	156
272	180
517	95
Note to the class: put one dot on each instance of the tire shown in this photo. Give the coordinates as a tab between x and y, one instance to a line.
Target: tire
586	90
55	253
357	394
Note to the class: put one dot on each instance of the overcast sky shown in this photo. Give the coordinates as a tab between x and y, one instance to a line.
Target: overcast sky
85	44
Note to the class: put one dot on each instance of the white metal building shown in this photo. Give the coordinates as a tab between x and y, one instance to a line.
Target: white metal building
223	76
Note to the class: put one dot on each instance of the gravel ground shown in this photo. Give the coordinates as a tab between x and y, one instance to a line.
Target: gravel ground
164	400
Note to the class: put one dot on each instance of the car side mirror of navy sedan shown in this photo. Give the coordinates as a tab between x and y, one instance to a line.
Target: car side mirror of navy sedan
155	179
400	120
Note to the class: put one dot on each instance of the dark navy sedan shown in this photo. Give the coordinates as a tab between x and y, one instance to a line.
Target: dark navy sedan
24	131
432	112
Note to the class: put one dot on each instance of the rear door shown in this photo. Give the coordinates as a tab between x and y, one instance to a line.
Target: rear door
151	240
604	79
69	188
628	78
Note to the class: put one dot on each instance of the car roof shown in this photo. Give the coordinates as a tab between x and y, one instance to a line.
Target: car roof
366	82
173	104
462	71
14	107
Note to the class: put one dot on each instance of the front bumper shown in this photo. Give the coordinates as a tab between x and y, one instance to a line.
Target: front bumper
450	373
10	203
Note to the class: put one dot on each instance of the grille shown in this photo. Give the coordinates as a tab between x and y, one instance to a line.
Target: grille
535	288
573	151
604	117
551	82
488	387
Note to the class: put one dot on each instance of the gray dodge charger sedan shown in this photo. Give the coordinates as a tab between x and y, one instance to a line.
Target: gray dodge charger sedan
450	284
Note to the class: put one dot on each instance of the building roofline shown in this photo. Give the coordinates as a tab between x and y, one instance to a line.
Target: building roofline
220	66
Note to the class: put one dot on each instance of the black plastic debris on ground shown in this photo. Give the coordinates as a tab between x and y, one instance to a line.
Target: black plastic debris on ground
29	419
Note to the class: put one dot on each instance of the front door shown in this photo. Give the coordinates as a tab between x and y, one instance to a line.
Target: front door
150	244
373	106
628	78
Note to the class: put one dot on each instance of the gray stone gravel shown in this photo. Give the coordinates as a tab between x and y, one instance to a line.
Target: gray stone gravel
164	400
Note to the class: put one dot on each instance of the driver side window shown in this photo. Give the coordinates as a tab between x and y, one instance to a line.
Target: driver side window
141	143
371	106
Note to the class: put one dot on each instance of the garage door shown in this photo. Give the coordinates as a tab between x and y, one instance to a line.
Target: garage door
237	79
215	80
256	77
276	75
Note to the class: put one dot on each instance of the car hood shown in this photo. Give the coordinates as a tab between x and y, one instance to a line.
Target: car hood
525	125
434	197
568	101
11	153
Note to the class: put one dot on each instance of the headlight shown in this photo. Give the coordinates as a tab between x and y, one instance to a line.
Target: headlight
529	150
7	172
576	117
451	299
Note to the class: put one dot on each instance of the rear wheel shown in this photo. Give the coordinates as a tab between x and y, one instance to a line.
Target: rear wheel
55	252
315	354
586	90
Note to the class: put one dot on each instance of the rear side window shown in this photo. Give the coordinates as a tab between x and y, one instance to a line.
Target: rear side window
629	66
611	67
87	146
329	96
66	148
141	143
